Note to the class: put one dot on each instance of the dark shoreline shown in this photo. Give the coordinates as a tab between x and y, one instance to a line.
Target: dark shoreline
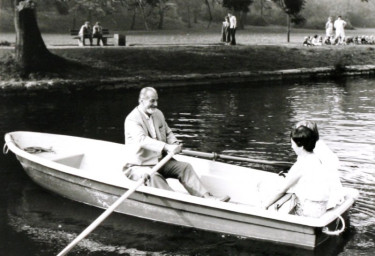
160	81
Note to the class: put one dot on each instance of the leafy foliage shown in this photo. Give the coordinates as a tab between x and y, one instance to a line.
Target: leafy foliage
293	8
238	5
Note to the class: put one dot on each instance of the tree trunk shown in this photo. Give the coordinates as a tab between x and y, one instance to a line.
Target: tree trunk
196	14
143	14
32	54
132	25
209	13
242	20
74	24
288	27
161	15
188	15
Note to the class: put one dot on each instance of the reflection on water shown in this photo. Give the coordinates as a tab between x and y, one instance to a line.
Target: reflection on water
236	120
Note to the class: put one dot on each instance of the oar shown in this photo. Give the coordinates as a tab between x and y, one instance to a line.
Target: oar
235	158
107	212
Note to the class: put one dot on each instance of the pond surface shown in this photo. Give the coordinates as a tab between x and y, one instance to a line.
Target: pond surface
253	121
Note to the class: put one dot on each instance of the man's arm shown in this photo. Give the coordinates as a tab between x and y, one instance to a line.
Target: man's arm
292	178
171	138
135	134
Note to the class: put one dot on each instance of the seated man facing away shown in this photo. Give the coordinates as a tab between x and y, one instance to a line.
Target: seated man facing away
85	32
146	127
97	32
331	163
308	179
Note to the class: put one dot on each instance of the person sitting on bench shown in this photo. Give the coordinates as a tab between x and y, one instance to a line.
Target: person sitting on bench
97	32
85	32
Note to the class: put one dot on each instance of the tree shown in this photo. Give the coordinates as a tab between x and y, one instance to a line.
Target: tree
98	8
32	54
239	6
292	8
209	13
190	10
162	6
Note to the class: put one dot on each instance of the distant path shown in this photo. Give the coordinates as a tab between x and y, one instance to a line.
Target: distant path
271	35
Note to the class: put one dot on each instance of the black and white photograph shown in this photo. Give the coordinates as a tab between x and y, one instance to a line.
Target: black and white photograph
187	127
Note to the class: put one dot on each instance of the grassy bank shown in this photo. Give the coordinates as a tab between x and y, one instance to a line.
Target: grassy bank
150	54
99	62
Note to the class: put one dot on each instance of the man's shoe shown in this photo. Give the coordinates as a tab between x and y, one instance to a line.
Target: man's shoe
222	199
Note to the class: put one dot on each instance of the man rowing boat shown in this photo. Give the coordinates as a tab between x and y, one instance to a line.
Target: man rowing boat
146	128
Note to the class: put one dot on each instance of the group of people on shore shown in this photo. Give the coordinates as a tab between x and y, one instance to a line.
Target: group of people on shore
95	32
331	38
335	35
313	179
228	30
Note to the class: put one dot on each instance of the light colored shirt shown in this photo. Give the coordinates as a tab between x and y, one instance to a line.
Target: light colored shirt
233	22
97	29
313	183
315	41
332	164
329	28
150	122
339	26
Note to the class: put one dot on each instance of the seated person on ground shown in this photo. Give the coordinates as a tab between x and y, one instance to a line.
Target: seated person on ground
307	179
315	41
327	40
85	32
363	40
307	41
147	131
349	40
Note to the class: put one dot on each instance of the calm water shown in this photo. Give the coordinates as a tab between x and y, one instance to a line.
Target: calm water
238	120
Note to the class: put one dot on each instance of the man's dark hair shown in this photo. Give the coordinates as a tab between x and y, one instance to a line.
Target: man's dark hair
305	137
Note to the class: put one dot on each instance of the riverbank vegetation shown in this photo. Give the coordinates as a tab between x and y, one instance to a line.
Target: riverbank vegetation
32	59
59	16
115	62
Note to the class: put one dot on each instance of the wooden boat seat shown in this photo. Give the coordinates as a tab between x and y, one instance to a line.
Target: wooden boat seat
245	191
73	160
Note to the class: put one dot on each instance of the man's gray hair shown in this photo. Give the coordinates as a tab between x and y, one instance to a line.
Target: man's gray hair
144	91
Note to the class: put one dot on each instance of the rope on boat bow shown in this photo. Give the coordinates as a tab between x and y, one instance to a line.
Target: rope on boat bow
36	150
5	149
326	230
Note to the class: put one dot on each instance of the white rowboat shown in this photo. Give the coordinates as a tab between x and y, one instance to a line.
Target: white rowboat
90	171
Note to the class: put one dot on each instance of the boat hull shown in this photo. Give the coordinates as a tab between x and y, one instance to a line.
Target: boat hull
169	211
180	210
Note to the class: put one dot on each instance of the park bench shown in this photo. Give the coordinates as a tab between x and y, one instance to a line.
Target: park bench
105	31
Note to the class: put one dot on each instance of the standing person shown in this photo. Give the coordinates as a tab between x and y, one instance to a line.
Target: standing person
329	27
85	32
225	34
147	130
97	32
340	32
232	28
